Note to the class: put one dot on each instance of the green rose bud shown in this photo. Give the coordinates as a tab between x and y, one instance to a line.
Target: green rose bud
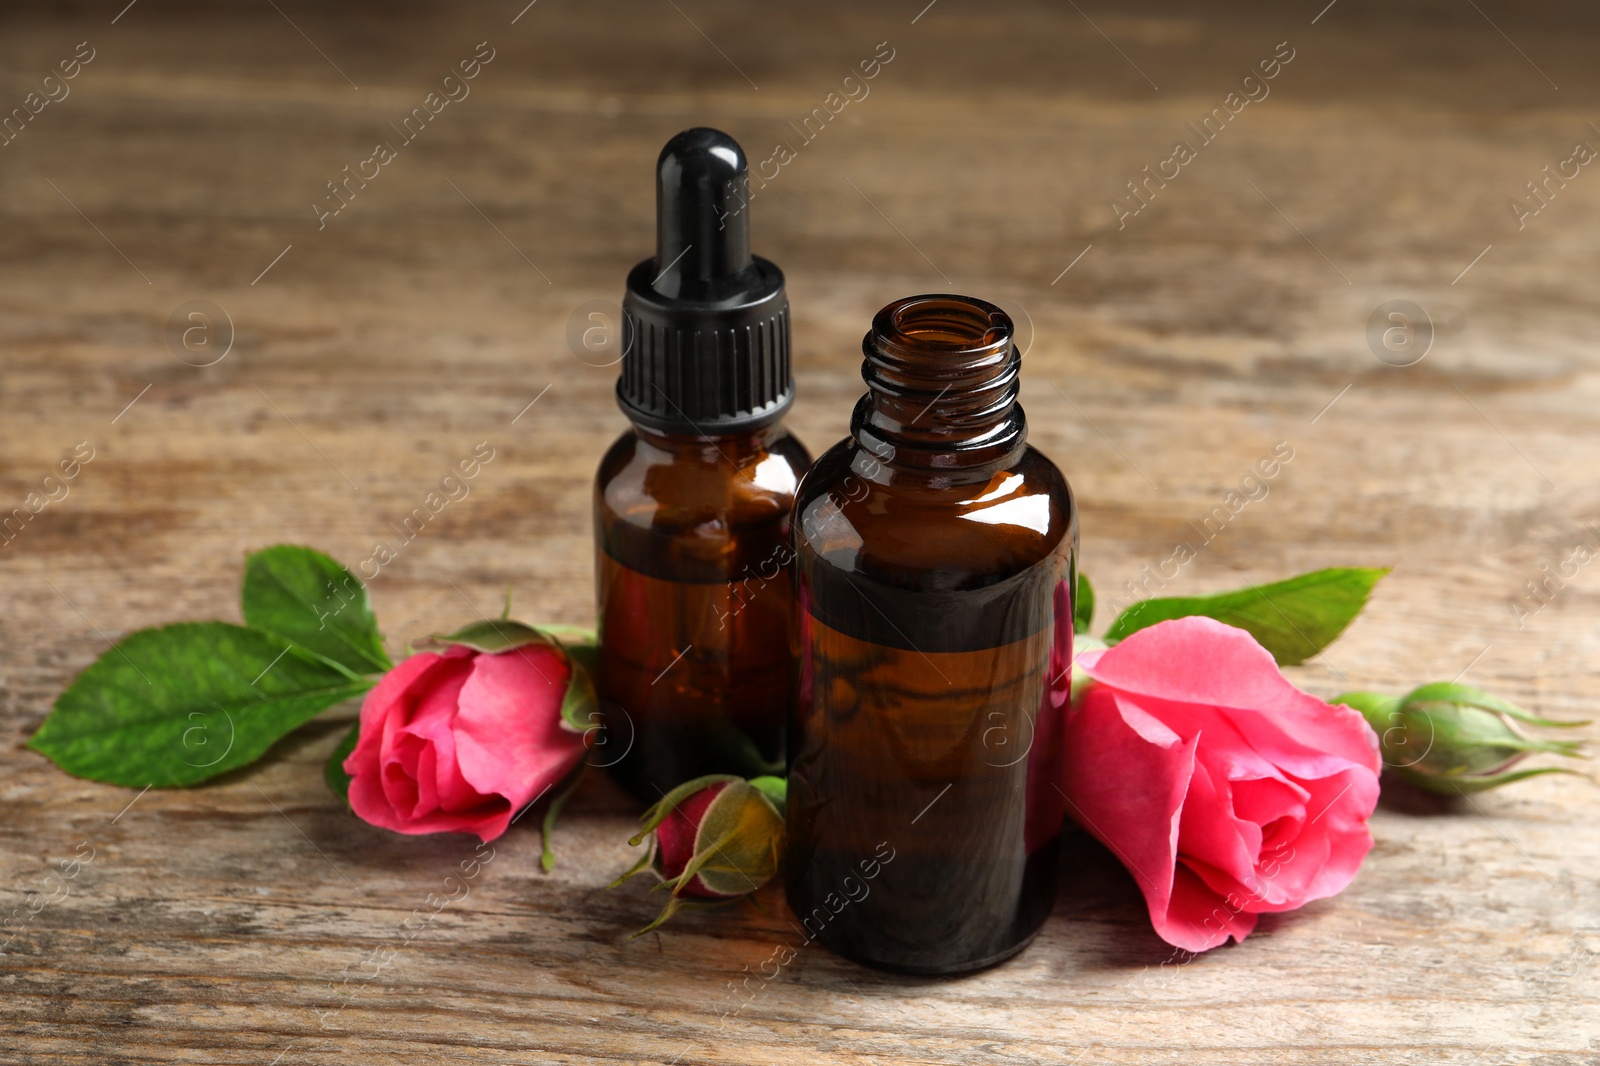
1455	739
712	840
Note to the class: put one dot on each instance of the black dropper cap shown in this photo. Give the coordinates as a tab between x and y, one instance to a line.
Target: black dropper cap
707	330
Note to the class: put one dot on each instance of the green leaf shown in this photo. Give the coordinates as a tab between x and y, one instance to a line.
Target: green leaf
334	773
306	597
1083	605
177	705
1292	619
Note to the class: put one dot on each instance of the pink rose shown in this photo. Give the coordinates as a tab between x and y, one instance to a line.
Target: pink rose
1226	791
461	741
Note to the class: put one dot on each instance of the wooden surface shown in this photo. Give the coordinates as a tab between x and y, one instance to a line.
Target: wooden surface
253	921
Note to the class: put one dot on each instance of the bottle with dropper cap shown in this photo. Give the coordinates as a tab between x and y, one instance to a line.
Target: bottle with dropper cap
692	504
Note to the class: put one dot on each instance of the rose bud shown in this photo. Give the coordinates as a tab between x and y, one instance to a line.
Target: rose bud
1454	739
464	739
712	840
1227	792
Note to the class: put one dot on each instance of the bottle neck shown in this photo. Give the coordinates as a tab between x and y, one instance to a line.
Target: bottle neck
942	376
734	448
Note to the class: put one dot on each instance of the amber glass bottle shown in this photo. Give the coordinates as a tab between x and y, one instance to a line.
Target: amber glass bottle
936	561
692	505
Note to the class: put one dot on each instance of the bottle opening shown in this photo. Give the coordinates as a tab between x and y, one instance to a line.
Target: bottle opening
941	373
946	324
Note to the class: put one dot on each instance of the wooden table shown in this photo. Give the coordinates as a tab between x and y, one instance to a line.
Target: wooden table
227	923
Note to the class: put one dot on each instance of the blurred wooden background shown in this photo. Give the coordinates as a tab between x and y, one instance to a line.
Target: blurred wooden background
229	924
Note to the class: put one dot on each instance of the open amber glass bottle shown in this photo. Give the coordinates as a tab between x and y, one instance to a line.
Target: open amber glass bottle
936	562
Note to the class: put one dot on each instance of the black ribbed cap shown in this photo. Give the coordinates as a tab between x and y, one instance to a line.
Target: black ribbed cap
707	331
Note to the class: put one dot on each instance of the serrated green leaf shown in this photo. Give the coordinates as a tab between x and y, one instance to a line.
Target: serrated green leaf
1292	619
1083	604
307	597
177	705
333	772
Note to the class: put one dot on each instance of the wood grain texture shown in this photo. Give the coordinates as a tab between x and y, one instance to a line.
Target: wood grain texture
229	923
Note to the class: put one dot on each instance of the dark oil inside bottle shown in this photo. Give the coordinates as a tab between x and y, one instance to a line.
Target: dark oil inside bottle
924	805
699	669
949	755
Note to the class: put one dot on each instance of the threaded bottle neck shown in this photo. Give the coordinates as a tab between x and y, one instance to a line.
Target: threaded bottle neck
942	376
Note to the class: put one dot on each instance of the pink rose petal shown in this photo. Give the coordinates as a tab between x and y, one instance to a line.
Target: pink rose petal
509	735
1205	662
1197	919
1102	734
